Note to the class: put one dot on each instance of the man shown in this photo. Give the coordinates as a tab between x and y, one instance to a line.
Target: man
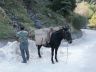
22	36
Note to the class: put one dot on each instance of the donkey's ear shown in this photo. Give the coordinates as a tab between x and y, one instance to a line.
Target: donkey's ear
60	27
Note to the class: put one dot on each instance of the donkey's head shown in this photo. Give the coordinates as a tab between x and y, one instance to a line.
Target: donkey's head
66	34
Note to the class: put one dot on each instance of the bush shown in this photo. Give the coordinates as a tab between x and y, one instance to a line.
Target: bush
82	8
78	1
63	7
2	2
79	21
6	30
92	21
92	7
90	13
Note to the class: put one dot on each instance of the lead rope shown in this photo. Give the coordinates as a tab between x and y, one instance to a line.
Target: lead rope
67	53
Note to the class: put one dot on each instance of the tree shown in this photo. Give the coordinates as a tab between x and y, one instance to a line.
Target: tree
2	2
63	7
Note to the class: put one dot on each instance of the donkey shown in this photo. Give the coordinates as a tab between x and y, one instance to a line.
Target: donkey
55	40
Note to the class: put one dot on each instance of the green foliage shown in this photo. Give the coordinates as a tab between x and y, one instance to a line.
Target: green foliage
6	29
63	7
92	7
91	1
53	16
90	13
47	17
15	8
78	1
1	2
79	21
87	8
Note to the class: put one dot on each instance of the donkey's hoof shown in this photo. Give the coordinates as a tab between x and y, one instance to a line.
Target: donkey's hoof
56	60
53	62
40	56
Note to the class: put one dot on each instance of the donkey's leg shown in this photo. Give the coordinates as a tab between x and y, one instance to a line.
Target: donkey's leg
56	49
52	54
39	47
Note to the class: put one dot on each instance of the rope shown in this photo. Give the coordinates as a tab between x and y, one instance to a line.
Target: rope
67	54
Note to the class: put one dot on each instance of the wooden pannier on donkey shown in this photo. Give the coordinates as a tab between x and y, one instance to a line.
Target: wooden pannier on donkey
52	37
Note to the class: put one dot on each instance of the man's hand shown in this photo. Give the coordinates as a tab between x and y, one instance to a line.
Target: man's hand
17	39
30	35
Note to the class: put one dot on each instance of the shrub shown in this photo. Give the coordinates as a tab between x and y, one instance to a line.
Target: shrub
79	21
63	7
92	21
6	30
90	13
93	7
82	8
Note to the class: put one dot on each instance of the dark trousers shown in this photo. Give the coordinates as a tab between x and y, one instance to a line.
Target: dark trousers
24	51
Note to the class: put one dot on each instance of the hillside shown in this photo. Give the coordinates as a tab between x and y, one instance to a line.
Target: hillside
12	12
29	13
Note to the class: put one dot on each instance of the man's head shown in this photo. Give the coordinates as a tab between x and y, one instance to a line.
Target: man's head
22	28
